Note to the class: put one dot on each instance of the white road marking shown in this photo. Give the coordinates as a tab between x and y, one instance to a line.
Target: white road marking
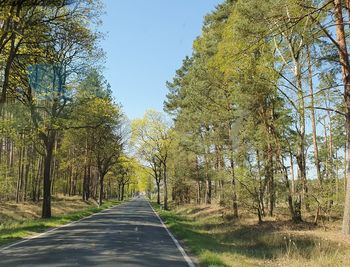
53	229
183	252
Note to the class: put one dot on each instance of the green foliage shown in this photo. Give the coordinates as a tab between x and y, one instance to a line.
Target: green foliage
242	110
61	130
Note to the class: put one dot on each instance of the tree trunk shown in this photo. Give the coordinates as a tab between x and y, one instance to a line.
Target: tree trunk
86	179
88	182
261	186
7	71
84	183
46	208
198	192
336	177
345	66
326	145
330	148
270	178
300	153
53	174
158	192
208	191
292	172
233	176
20	175
118	190
101	189
35	187
234	194
345	167
294	207
69	181
198	181
313	120
123	192
165	186
26	177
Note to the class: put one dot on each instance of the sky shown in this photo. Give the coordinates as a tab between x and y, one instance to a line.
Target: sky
145	43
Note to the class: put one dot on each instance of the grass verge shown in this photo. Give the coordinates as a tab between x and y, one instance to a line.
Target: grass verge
217	242
16	230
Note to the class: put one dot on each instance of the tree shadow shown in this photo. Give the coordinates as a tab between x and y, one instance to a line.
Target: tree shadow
263	241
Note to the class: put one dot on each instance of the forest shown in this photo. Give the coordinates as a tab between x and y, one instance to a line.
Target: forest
256	121
261	113
61	130
257	160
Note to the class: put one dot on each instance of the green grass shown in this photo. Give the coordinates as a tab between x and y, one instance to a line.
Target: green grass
17	230
221	243
200	244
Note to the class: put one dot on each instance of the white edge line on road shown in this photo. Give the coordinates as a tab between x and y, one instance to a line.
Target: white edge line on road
53	229
183	252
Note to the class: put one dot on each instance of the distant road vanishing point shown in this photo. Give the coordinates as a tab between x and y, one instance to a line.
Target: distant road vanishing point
126	235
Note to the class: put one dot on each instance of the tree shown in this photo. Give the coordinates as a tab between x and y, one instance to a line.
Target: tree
152	138
51	83
60	130
230	102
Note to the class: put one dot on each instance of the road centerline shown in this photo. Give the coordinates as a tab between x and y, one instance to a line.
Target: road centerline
126	235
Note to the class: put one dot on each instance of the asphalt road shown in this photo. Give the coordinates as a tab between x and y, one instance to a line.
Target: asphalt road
127	235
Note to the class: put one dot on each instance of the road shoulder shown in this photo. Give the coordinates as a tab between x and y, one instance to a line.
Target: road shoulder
21	232
189	257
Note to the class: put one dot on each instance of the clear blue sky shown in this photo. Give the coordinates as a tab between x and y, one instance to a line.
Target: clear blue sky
146	42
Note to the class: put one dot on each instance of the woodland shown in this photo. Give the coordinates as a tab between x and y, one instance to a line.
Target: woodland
61	131
256	120
261	112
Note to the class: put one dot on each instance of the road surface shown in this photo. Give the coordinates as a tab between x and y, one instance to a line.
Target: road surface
126	235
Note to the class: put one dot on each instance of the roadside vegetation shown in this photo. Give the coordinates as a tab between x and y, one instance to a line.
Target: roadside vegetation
212	236
61	130
19	221
254	168
251	164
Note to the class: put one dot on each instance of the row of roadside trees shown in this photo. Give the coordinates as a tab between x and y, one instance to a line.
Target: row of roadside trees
61	132
261	113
